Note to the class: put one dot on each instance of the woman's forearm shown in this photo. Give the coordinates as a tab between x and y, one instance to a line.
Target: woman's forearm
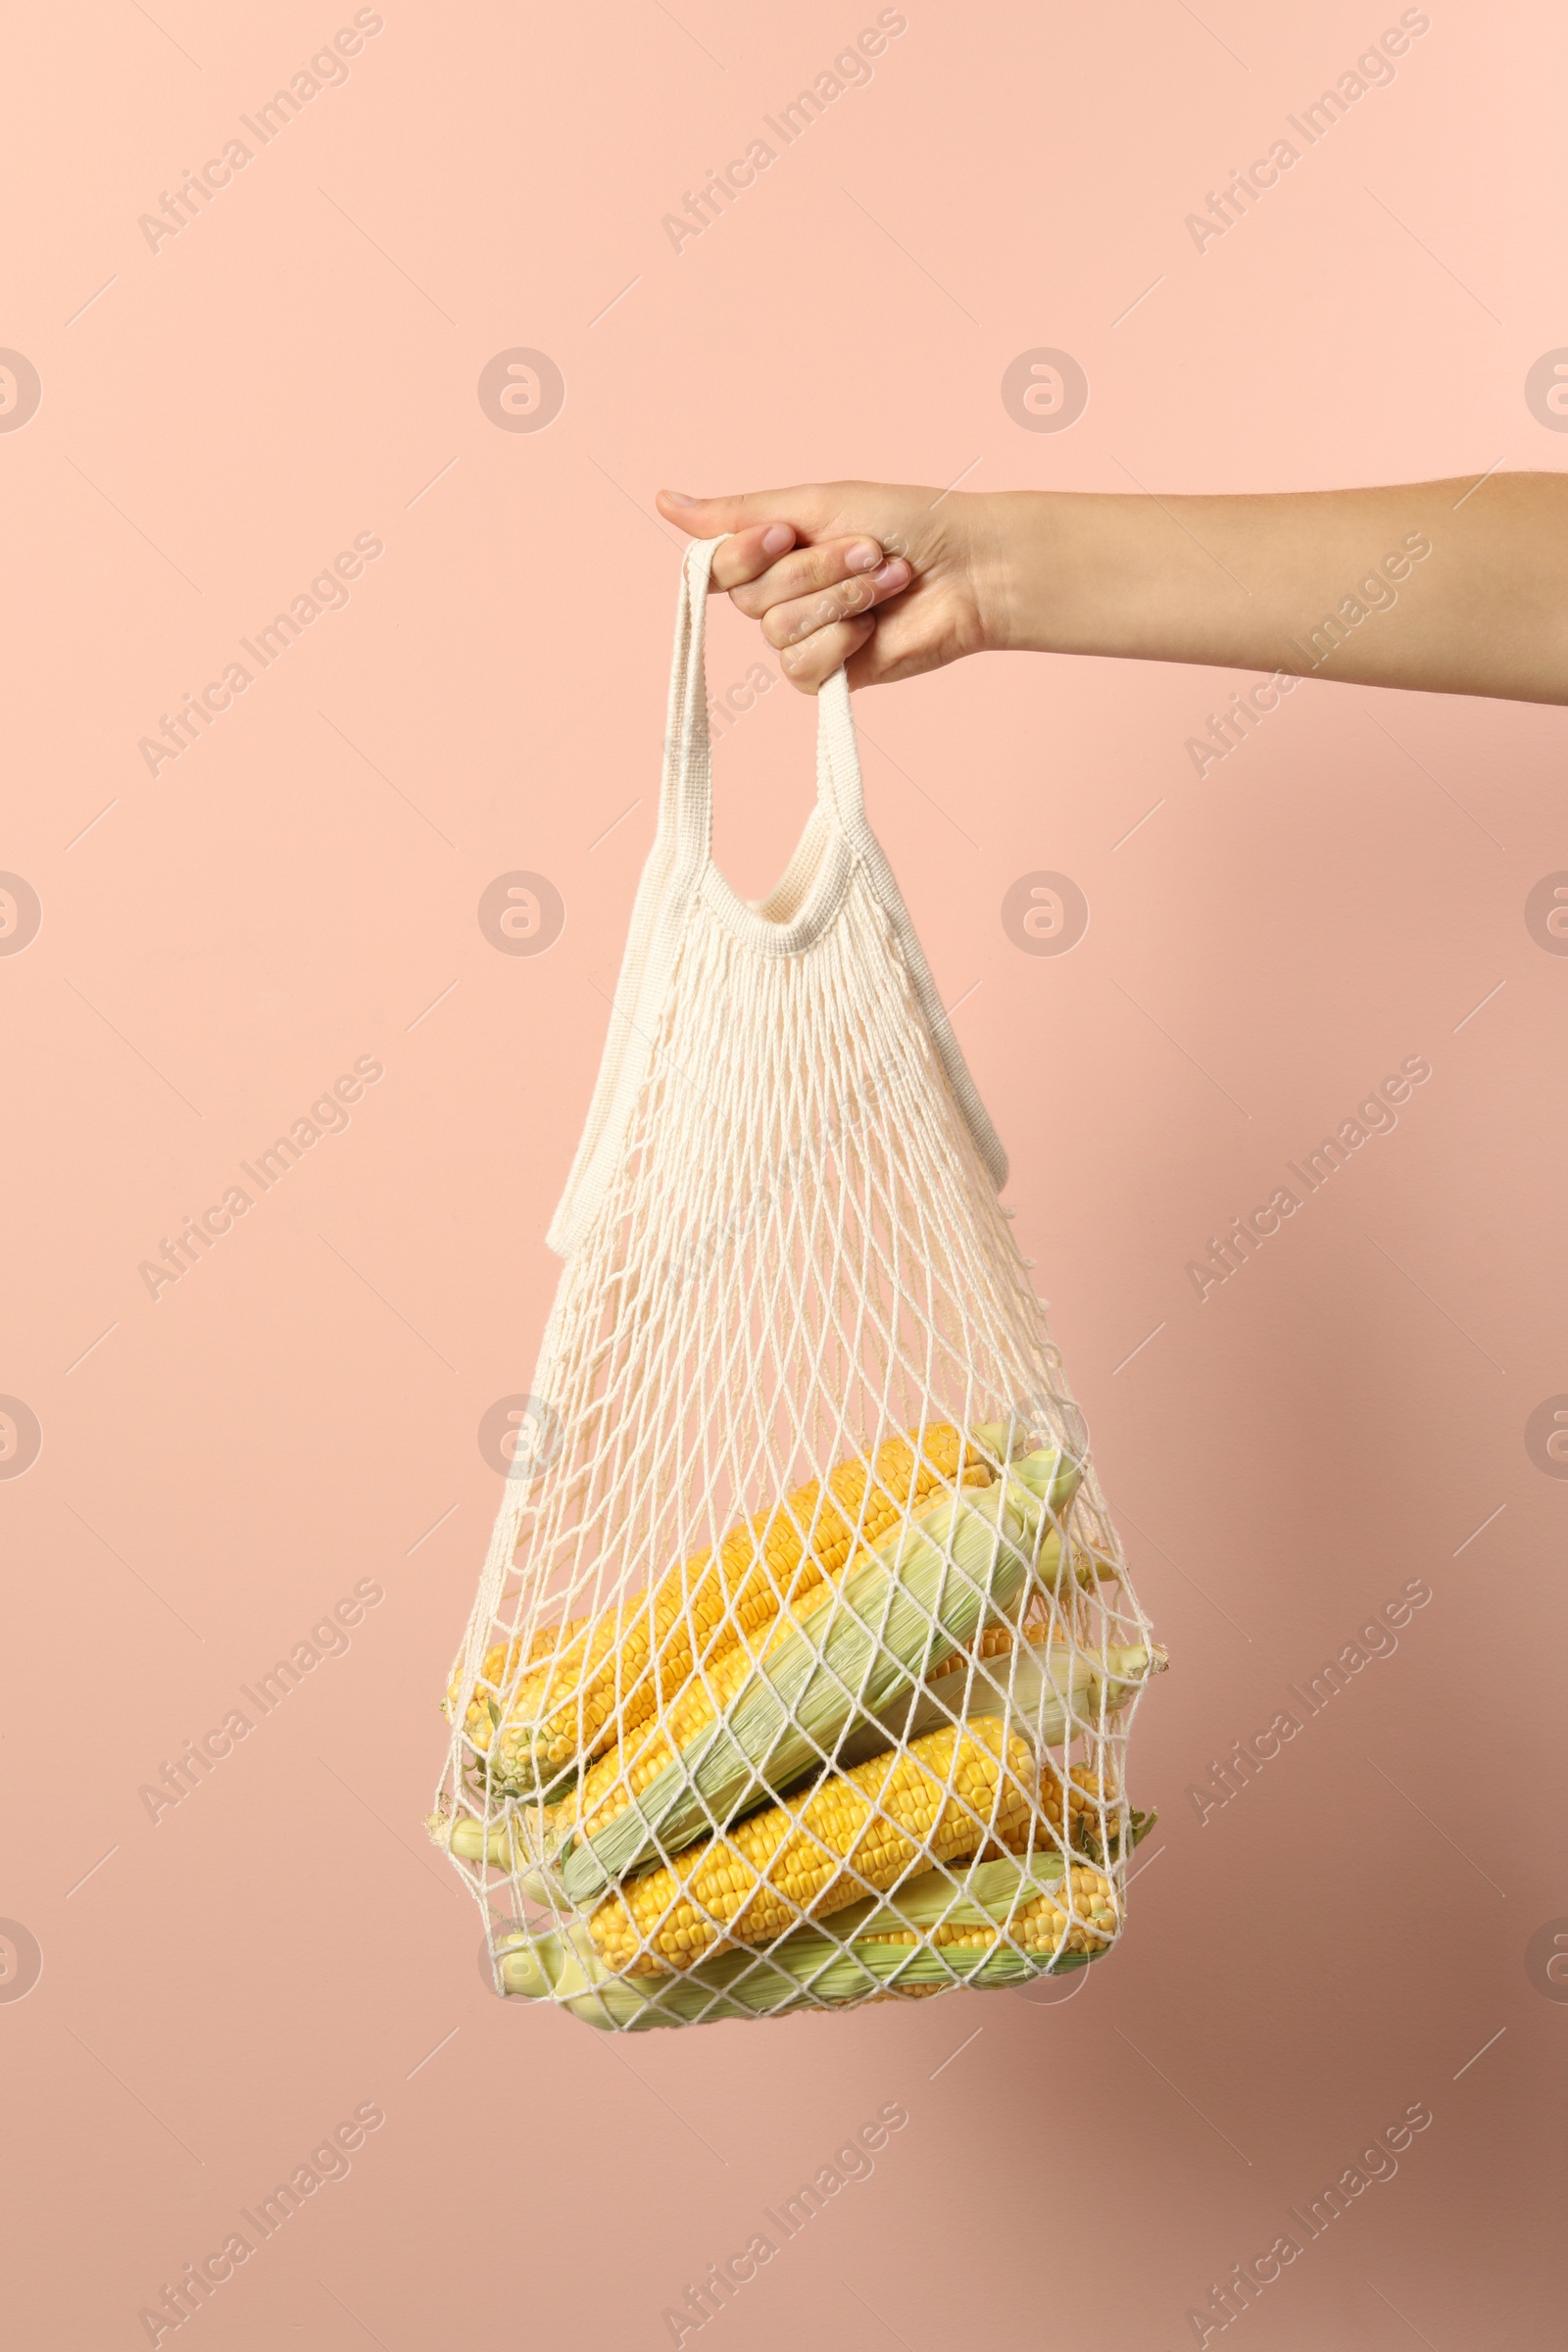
1454	587
1444	586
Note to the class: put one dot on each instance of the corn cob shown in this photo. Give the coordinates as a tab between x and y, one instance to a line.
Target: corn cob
1080	1923
1006	1923
925	1590
1079	1917
503	1661
816	1853
614	1671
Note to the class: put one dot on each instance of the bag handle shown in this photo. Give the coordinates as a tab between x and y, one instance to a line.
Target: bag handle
837	841
686	792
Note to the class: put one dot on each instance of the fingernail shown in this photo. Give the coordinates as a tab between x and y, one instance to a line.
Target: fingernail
892	576
777	539
864	557
678	497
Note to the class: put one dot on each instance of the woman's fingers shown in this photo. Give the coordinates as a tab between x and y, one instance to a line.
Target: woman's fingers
813	660
750	555
803	572
793	618
760	564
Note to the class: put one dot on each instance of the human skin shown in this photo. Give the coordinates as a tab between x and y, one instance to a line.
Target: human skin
895	580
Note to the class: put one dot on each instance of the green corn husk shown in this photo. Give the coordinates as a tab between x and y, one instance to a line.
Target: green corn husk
810	1968
922	1595
1045	1688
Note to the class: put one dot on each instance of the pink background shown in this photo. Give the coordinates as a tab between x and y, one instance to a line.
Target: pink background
298	1413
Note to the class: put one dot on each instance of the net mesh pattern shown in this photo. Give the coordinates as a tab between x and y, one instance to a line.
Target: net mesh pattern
805	1653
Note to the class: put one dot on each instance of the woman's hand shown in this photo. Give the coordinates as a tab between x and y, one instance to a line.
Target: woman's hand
1451	587
888	581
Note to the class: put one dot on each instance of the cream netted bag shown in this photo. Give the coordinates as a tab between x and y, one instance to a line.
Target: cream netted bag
803	1654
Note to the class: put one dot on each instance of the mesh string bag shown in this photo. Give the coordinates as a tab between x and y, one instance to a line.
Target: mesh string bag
803	1655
